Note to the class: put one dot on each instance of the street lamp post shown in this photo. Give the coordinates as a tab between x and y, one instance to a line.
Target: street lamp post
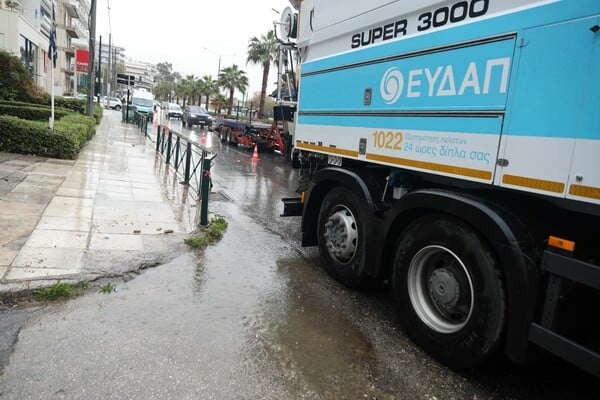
219	55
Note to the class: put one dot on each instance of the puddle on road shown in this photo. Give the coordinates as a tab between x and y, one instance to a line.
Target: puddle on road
249	319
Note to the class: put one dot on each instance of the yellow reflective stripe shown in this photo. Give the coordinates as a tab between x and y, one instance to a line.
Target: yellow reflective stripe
448	169
585	191
334	150
540	184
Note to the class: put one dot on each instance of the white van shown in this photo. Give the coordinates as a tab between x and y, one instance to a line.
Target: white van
143	101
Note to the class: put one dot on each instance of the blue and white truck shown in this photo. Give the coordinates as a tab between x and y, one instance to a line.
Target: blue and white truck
452	148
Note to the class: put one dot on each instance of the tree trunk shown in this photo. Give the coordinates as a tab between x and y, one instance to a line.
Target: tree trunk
263	89
231	100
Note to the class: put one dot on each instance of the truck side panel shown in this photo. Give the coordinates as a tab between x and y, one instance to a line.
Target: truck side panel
463	96
438	111
553	86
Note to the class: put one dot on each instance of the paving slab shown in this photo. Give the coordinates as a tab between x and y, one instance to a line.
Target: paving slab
113	210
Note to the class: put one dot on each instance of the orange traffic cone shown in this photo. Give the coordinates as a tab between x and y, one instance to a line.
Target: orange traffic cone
203	138
255	154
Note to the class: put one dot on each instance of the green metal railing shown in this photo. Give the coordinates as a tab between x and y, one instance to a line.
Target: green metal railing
190	160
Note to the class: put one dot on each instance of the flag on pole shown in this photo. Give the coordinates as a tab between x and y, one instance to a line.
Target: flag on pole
52	55
52	46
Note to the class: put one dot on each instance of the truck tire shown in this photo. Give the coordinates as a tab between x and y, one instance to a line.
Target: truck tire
342	239
295	158
449	291
227	132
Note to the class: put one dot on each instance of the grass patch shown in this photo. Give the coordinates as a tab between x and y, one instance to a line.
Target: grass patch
209	235
57	291
108	288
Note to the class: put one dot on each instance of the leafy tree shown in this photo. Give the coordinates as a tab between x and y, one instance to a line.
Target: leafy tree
165	73
16	82
263	51
233	78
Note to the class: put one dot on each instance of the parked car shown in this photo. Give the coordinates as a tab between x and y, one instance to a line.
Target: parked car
172	110
195	115
83	96
113	102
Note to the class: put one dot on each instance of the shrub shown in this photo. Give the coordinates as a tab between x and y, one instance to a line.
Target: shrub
65	102
98	110
89	122
16	82
32	112
34	137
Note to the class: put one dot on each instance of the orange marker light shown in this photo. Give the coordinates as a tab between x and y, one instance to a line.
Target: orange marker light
302	197
562	244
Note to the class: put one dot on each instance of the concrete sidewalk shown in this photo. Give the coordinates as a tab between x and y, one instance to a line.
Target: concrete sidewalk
115	209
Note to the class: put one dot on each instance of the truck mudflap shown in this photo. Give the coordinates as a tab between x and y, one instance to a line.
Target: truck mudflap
292	207
561	267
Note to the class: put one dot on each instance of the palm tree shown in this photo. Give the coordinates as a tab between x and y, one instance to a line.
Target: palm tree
218	102
208	87
180	90
189	88
233	78
263	51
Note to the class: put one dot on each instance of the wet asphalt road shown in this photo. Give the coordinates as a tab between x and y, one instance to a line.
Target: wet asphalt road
252	317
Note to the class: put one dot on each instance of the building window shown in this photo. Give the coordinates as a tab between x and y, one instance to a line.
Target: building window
28	52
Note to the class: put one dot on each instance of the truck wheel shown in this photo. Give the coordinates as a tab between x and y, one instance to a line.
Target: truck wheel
227	134
295	157
450	291
342	237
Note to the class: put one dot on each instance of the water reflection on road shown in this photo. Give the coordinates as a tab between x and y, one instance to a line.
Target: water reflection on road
252	317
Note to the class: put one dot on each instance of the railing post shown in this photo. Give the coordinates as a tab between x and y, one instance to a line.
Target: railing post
177	144
158	131
164	140
205	188
188	164
169	145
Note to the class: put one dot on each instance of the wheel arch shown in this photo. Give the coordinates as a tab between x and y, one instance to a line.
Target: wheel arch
325	180
499	229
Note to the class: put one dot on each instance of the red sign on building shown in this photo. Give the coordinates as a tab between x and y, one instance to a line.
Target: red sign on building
82	60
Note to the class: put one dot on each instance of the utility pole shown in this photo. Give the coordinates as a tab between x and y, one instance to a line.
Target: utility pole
108	70
92	70
100	69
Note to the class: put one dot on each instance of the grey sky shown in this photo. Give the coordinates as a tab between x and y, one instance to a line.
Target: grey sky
177	30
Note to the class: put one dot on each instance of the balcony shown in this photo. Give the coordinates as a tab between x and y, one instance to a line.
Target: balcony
71	31
69	51
81	30
45	25
70	70
47	4
71	10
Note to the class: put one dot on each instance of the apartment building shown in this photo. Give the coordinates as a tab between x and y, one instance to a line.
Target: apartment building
25	27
